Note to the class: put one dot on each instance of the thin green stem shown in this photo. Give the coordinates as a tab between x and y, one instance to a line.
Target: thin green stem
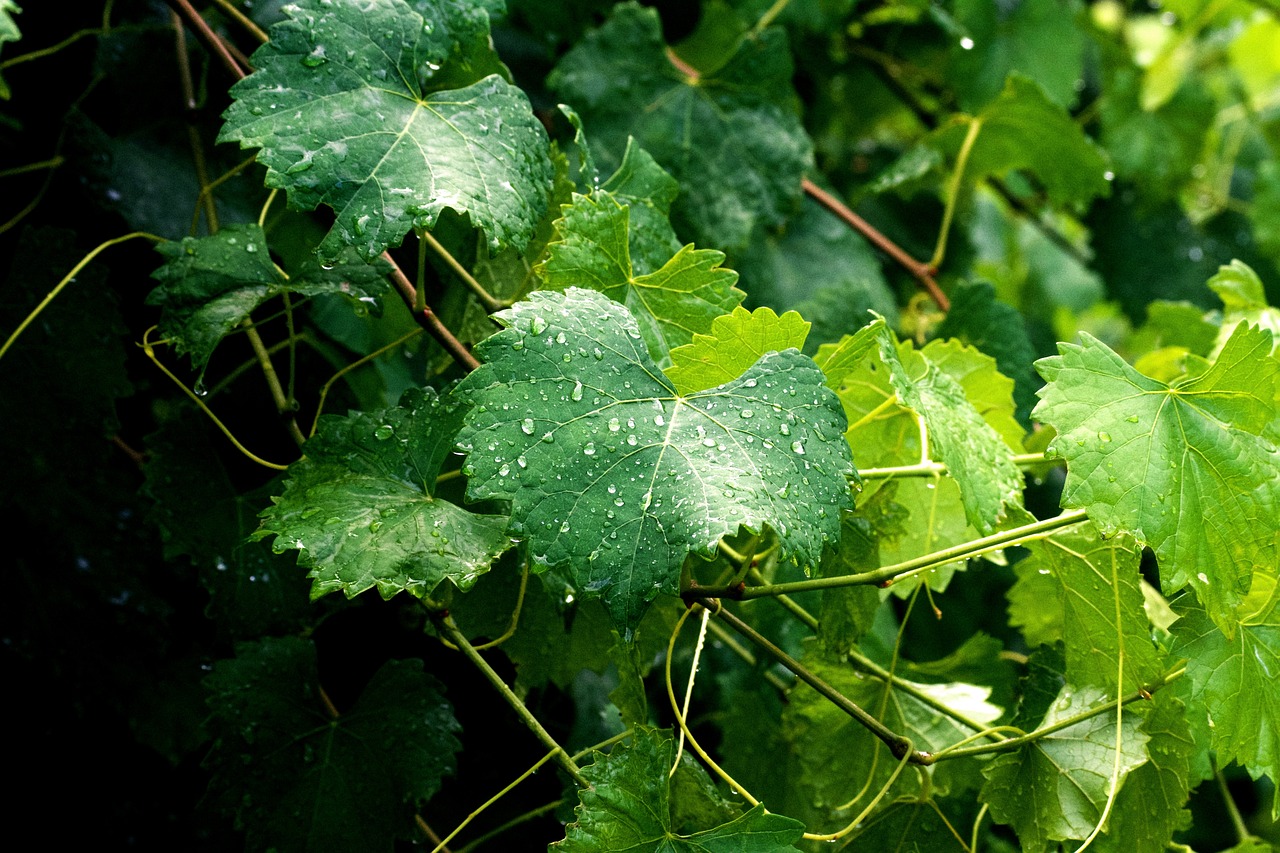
930	469
324	389
67	279
514	822
51	50
283	405
953	191
768	17
898	745
1030	737
1233	811
52	163
450	630
420	301
888	403
525	775
995	541
873	669
486	299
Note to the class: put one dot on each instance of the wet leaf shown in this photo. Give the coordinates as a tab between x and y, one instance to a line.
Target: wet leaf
614	473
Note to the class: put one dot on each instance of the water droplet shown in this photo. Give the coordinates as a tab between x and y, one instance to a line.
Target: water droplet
797	447
504	470
1133	419
589	449
576	394
564	527
708	442
560	338
614	425
631	440
750	383
384	432
659	420
745	413
784	429
1104	436
522	462
618	502
374	525
537	324
526	426
316	57
548	437
646	500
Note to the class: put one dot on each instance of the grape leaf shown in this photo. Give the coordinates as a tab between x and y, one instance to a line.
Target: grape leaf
385	113
907	825
648	190
1023	129
728	137
734	343
631	806
209	285
671	304
1244	301
1150	806
980	320
1182	468
252	592
8	32
1082	589
1233	679
976	456
360	505
1055	787
615	473
299	779
1038	38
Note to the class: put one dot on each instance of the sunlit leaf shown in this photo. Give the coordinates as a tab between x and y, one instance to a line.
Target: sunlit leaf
1184	468
613	472
736	341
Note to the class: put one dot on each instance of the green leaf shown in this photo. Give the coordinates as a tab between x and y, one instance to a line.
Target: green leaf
980	320
1150	806
299	779
1055	788
1244	301
1082	589
672	303
252	592
631	806
1023	129
360	505
1182	468
976	456
1037	38
847	612
209	285
1233	679
736	341
386	114
8	32
728	137
614	473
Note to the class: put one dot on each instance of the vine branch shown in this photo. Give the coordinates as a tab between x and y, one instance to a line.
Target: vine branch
428	319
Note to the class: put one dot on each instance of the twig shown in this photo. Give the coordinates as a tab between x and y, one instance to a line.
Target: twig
201	26
486	299
428	319
920	271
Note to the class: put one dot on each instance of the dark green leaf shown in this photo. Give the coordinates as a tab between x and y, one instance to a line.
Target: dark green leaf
360	506
299	779
389	121
1183	468
615	473
980	320
631	806
209	285
728	137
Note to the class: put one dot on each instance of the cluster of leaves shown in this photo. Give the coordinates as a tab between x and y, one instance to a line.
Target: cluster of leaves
668	375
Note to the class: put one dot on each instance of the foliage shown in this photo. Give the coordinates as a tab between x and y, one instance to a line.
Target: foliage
900	380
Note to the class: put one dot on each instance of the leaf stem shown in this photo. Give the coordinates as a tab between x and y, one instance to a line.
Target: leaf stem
922	273
324	389
870	416
768	17
486	299
1020	741
67	279
447	627
889	574
52	163
149	349
440	843
283	405
242	19
953	191
1233	811
898	745
929	469
428	319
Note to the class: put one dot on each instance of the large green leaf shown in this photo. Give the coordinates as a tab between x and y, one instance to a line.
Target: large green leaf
209	285
728	137
360	506
613	472
631	805
736	341
1082	589
1023	129
1184	468
1233	681
299	779
672	303
1055	788
384	112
